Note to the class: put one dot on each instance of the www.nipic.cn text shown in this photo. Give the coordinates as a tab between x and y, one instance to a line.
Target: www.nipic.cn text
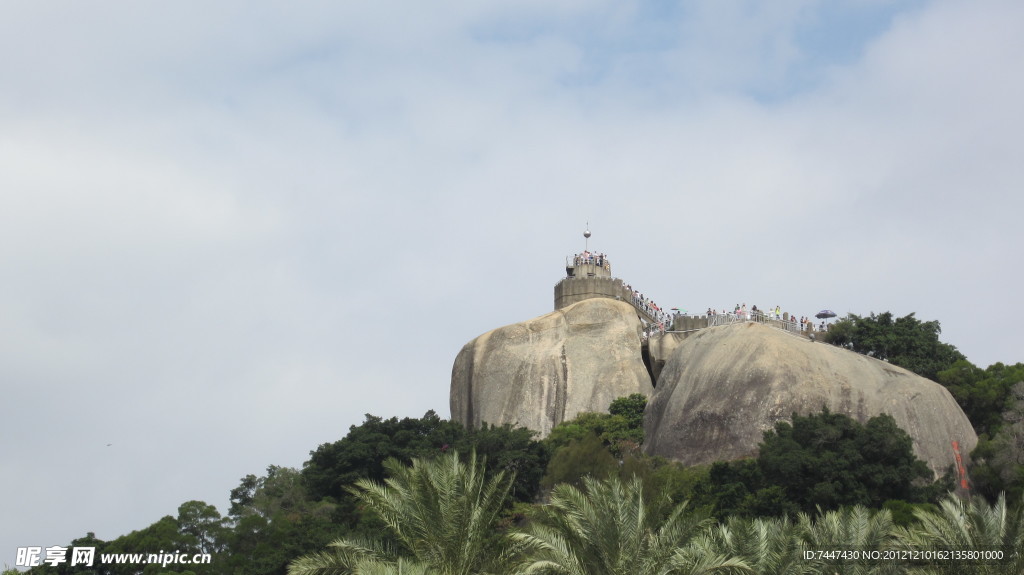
56	555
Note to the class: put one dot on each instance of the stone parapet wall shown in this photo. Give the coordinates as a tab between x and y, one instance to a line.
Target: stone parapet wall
688	323
574	290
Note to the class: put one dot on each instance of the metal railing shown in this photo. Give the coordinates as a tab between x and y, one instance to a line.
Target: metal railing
590	260
757	317
724	319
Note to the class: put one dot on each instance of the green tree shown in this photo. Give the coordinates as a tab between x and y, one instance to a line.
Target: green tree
905	514
511	450
614	431
164	535
275	521
830	460
1008	457
739	488
281	491
622	429
598	444
631	408
361	454
90	540
999	461
333	467
663	478
586	457
984	395
906	341
204	526
824	460
606	528
443	512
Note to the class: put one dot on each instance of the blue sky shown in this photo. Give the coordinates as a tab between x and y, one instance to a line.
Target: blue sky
230	230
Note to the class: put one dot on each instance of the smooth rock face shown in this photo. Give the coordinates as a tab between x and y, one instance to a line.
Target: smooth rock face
724	386
541	372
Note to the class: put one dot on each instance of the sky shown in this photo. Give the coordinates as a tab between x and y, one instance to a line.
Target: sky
230	230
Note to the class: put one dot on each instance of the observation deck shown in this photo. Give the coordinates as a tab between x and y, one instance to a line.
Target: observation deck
589	275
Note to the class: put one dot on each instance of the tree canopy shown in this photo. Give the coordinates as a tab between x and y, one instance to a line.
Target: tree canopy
826	461
362	452
983	394
621	429
906	341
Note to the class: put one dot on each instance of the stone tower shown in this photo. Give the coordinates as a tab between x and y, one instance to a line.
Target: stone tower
588	275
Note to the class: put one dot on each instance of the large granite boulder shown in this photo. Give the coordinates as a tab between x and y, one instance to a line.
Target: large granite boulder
723	386
541	372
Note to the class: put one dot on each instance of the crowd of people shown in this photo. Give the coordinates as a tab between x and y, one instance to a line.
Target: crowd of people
805	323
587	257
663	319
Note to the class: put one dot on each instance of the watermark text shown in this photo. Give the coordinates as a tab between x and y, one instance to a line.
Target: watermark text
57	555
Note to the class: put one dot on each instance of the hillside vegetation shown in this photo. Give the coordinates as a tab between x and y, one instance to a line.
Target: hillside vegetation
426	495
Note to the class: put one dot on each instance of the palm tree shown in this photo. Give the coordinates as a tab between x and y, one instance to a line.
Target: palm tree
970	526
605	528
768	546
442	511
855	530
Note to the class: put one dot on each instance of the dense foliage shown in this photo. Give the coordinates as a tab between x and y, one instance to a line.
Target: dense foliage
621	429
594	444
906	341
362	453
984	394
825	461
993	399
822	479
